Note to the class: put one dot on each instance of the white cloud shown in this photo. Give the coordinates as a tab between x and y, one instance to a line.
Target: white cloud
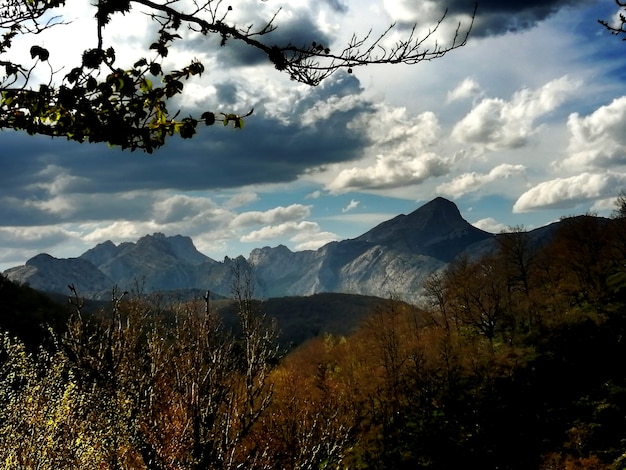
59	206
182	207
599	139
466	89
393	127
498	124
123	230
490	225
273	216
398	153
57	180
470	182
286	229
312	239
606	205
323	110
241	199
389	172
305	235
568	192
353	204
408	11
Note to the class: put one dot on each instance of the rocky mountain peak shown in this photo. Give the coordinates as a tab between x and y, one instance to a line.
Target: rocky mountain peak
435	229
437	210
100	253
42	259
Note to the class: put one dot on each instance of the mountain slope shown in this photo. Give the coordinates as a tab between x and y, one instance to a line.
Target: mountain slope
46	273
436	229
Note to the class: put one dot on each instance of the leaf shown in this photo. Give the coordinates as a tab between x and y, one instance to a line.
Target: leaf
196	68
155	69
145	85
173	88
40	52
91	84
208	118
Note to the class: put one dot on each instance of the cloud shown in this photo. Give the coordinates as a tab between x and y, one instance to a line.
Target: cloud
323	111
604	205
285	229
466	89
388	172
398	144
305	235
337	5
497	124
494	17
181	207
20	243
470	182
393	127
563	193
123	230
266	151
313	240
353	204
241	199
490	225
27	237
273	216
598	140
296	25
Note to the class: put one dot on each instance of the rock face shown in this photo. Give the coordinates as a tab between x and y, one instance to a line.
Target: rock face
46	273
394	257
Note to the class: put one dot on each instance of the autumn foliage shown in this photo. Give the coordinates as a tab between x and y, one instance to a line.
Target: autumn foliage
517	362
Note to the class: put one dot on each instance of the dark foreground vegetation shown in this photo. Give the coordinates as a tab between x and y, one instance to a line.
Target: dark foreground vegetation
518	363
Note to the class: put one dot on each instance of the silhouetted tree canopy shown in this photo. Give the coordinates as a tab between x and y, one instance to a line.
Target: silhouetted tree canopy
93	99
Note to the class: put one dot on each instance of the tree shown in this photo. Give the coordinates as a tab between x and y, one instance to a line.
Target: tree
618	28
518	252
478	294
99	101
138	387
620	206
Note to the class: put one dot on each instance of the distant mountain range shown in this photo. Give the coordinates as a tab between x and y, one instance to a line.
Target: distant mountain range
395	257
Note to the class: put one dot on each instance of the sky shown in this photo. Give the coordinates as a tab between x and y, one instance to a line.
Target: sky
523	125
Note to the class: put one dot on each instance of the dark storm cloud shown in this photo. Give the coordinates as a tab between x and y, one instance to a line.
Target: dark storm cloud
226	93
494	17
337	5
45	181
299	31
498	17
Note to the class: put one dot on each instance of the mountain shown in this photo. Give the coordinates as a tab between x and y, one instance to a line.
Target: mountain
47	273
156	262
436	230
394	257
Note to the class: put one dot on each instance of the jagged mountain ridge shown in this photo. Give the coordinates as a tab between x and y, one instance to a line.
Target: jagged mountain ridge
394	257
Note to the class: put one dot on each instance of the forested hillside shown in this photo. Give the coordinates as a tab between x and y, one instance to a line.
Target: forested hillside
519	362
